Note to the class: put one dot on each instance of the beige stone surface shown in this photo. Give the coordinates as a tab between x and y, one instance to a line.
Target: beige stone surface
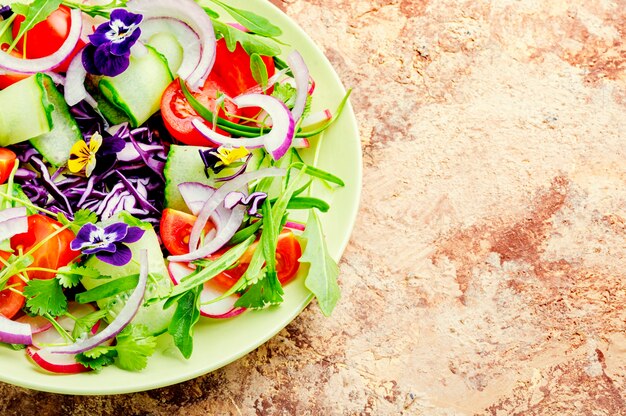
487	270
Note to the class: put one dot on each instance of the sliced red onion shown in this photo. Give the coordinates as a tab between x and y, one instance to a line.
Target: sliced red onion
191	14
31	66
225	231
295	225
13	221
45	338
13	332
224	308
217	199
276	142
253	200
75	91
120	322
301	75
186	37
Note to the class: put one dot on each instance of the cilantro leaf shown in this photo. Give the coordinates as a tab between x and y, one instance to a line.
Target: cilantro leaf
251	21
45	297
186	316
97	358
323	273
81	217
35	12
285	93
134	346
86	323
70	276
249	42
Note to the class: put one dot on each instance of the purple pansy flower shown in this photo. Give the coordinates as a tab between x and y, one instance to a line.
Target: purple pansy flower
108	244
109	51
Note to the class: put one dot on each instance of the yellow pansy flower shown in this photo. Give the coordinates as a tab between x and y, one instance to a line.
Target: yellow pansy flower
83	156
228	156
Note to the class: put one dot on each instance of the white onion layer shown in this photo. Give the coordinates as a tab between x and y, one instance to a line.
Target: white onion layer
13	332
301	75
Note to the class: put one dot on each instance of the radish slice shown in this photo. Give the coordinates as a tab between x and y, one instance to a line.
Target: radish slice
37	323
191	14
31	66
301	143
214	202
316	119
13	221
276	142
224	308
295	226
13	332
301	75
56	363
187	38
52	336
75	91
125	316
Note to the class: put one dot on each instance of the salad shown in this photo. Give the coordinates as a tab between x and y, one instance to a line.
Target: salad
150	176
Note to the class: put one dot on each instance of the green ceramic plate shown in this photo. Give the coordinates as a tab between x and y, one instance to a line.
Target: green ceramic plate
217	343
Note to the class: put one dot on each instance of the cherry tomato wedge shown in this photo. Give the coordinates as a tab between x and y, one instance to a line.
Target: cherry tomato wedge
288	251
177	113
175	229
7	163
11	301
46	37
54	253
234	73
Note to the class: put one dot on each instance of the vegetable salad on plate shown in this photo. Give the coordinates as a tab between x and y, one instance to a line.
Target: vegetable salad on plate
150	176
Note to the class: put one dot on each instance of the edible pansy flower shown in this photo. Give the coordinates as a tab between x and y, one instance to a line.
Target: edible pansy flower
108	243
108	52
252	201
219	158
83	155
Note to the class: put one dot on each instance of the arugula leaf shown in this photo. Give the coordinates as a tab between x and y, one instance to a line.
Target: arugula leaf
249	42
305	202
258	69
134	346
97	358
45	297
70	276
265	292
186	316
285	93
318	173
86	323
251	21
34	13
106	290
323	273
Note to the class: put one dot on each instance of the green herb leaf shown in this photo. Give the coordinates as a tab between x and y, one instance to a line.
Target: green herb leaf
134	346
251	21
265	292
35	12
45	297
285	93
258	69
81	218
106	290
86	323
249	42
308	203
318	173
186	316
97	358
70	276
323	273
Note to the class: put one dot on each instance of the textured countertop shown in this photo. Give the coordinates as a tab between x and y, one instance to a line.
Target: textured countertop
487	270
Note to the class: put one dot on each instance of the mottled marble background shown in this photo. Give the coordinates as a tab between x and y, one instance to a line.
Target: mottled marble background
487	270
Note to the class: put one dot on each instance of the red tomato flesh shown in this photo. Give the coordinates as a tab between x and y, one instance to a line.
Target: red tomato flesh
175	230
10	301
7	163
54	253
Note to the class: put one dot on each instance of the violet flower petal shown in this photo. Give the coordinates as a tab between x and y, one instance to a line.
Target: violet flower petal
116	231
133	235
120	257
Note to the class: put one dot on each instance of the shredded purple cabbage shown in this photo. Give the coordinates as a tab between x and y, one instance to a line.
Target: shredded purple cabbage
131	180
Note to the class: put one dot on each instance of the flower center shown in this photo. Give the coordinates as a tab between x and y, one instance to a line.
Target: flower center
119	31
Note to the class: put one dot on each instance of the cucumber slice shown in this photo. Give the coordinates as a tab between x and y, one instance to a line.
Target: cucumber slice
153	316
168	46
184	164
24	114
137	91
112	113
55	145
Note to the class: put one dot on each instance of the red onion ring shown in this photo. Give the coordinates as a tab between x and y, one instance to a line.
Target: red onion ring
13	332
301	75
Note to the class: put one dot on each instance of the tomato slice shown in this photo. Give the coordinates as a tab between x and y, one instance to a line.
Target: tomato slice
175	229
233	71
177	113
288	251
54	253
7	163
46	37
11	302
